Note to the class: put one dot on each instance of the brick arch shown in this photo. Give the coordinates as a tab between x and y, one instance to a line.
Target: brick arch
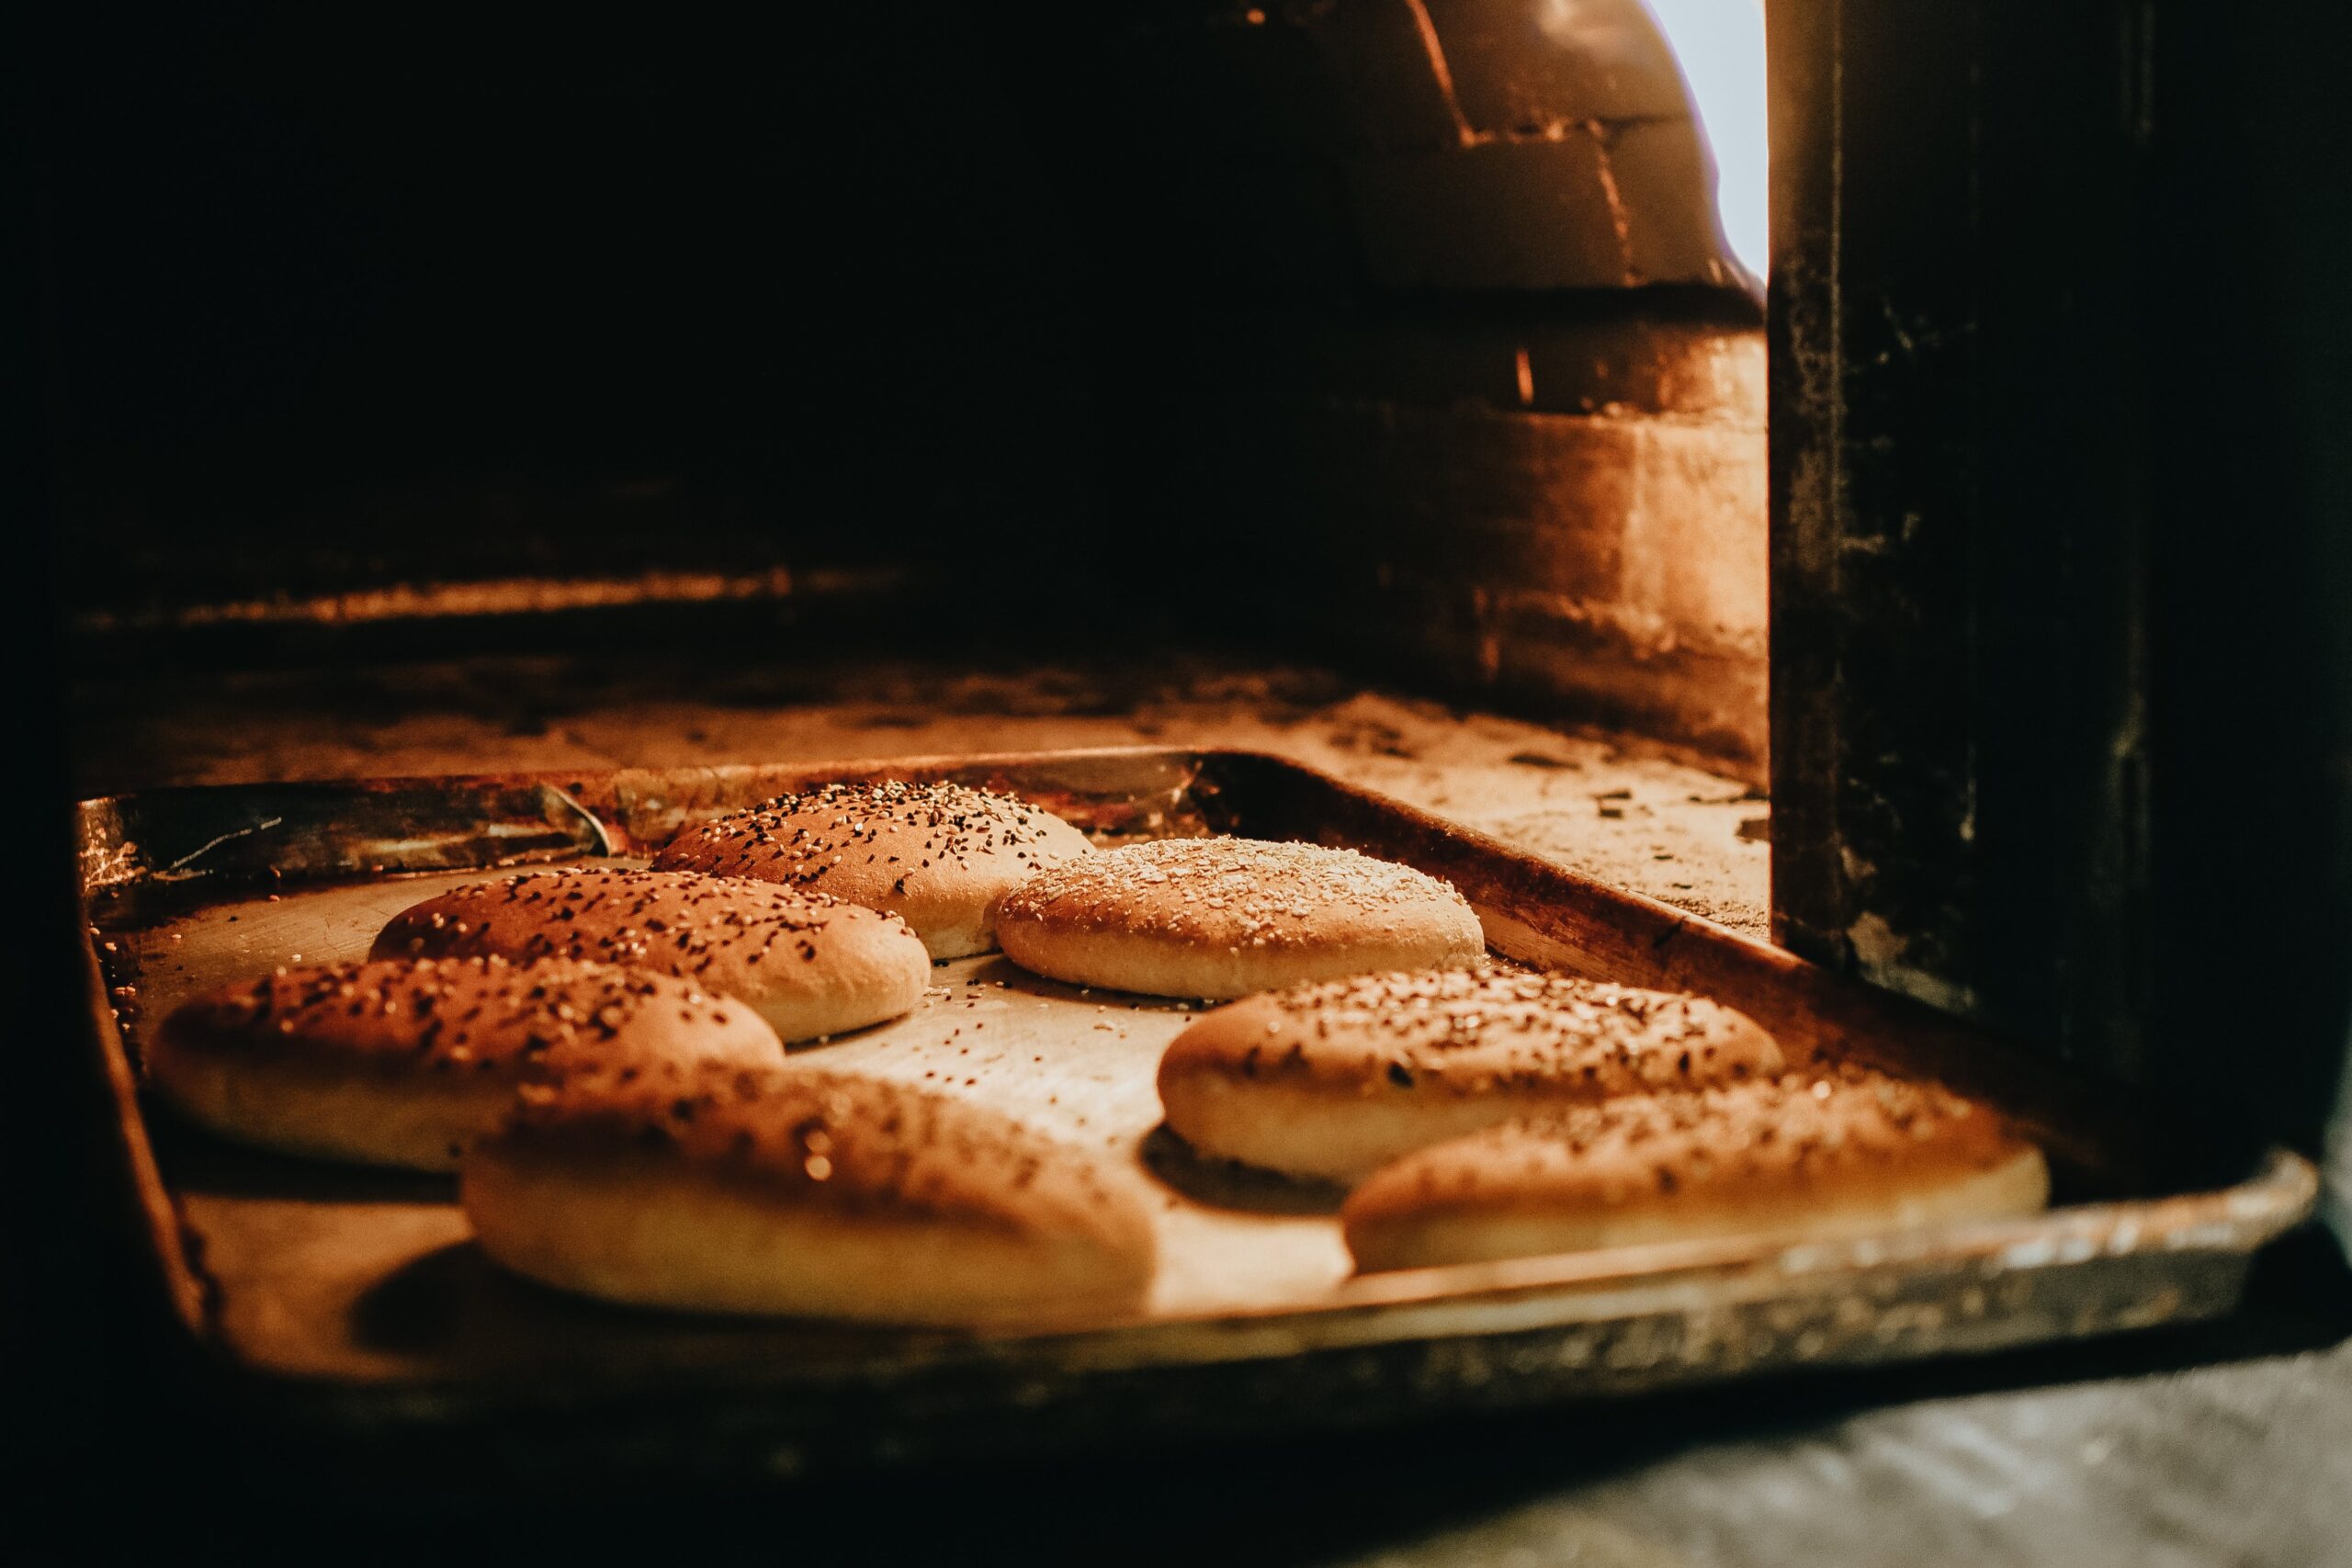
1456	144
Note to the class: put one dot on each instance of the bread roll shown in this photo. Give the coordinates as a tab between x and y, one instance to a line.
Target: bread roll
810	966
804	1194
1336	1079
939	855
1218	917
1791	1158
404	1062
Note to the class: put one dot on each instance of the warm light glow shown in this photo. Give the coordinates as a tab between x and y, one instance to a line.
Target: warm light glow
1720	46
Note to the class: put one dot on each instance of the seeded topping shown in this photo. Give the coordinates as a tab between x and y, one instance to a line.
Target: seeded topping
1478	1031
844	830
1781	1133
474	1014
719	929
1231	892
851	1143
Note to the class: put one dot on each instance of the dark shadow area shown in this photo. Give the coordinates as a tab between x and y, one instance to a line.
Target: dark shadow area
1271	1499
1002	971
426	1304
456	1311
1226	1184
199	1162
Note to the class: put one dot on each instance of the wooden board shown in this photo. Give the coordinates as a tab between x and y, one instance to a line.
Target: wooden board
355	1301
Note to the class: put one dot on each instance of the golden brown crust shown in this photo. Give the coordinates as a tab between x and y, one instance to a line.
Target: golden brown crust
403	1061
1335	1079
803	1193
940	855
809	964
1817	1155
1218	917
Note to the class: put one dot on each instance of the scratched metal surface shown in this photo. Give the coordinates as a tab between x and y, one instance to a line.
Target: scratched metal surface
356	1302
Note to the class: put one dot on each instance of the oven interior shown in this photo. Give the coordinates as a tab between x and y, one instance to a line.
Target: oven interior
1407	342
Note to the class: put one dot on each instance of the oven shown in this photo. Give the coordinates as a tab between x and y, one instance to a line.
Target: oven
1919	547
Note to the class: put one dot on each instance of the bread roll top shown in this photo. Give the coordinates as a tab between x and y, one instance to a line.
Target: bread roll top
811	965
1828	1139
683	923
1477	1032
407	1017
1220	894
869	840
807	1137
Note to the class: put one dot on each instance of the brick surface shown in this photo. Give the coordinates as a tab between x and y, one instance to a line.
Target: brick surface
1612	566
1614	355
1473	496
1665	182
1708	698
1577	660
1694	540
1505	215
1538	215
1521	66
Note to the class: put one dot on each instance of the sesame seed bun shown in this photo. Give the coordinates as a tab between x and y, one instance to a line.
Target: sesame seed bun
804	1194
810	966
1336	1079
405	1062
1793	1158
1219	917
939	855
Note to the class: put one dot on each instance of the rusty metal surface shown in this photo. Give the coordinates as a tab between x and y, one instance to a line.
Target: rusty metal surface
353	1301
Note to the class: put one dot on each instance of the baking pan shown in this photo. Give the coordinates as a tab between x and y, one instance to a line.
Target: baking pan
340	1304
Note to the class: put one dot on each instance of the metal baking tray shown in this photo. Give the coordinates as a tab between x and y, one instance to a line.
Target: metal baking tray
340	1304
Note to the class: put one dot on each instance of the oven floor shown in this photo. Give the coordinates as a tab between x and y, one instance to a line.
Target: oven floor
1630	813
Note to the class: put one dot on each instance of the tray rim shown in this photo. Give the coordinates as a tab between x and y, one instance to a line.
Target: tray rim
2276	1196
